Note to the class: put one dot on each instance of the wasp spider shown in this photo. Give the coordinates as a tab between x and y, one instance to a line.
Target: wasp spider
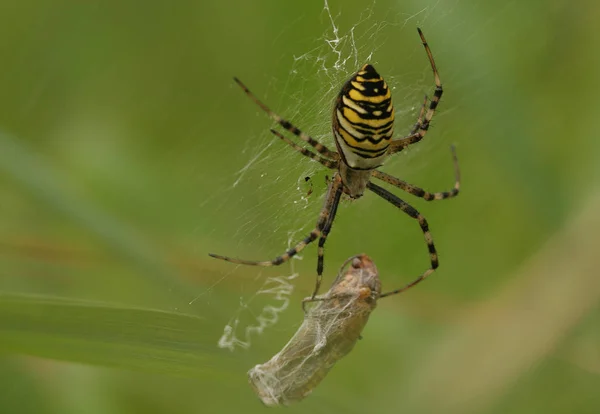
363	124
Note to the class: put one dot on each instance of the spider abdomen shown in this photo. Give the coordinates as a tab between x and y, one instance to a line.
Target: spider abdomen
363	120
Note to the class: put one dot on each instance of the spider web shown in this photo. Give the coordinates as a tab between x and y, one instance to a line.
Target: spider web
295	183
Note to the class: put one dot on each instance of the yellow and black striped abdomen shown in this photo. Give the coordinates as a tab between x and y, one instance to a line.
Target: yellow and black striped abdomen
363	119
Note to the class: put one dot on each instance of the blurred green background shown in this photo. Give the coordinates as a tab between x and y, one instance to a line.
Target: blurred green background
127	154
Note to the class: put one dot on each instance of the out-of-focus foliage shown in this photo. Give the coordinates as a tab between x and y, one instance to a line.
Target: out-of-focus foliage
122	134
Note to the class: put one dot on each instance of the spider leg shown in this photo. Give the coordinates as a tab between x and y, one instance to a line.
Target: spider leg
323	298
403	288
327	296
321	149
412	212
331	199
322	240
320	298
422	125
419	192
420	118
327	163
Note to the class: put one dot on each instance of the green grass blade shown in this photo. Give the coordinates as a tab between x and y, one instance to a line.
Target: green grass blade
111	336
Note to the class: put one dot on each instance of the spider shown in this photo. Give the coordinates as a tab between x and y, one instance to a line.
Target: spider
363	123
